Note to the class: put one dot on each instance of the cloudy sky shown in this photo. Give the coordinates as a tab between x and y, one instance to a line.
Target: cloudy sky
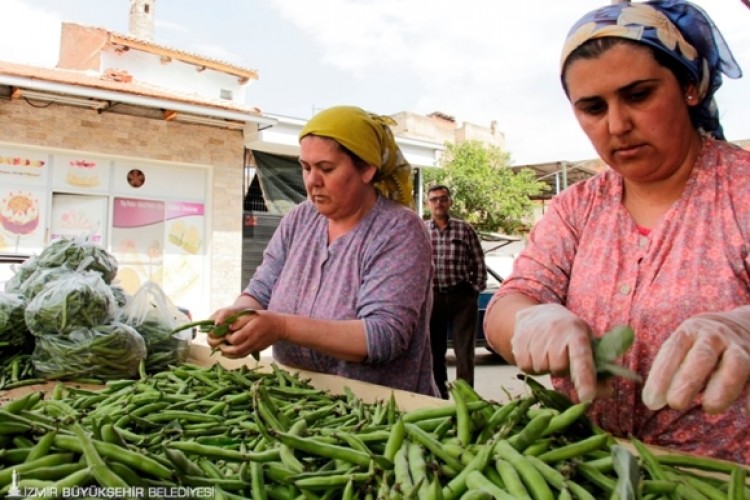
476	60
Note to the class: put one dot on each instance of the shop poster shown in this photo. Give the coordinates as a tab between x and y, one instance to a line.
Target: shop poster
22	220
27	168
184	252
81	173
79	215
161	242
138	241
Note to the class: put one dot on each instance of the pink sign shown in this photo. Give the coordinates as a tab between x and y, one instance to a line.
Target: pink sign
131	212
183	209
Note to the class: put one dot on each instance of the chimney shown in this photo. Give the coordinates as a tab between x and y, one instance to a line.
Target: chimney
142	19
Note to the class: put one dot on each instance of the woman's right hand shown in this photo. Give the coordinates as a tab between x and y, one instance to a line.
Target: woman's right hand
548	338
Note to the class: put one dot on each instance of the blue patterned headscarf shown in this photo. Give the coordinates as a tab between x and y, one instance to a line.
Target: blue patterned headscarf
677	28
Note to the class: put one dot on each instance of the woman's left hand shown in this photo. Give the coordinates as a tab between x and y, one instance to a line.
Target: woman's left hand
234	315
710	351
252	333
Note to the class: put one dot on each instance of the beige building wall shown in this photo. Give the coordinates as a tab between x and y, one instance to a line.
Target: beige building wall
67	128
441	128
486	135
416	126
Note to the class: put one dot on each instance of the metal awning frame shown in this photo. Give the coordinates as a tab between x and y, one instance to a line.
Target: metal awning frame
98	95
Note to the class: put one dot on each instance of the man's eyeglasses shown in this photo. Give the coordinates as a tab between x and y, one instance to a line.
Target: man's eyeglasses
435	199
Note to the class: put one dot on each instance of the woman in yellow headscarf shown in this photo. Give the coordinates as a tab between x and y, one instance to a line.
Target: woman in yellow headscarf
345	283
368	137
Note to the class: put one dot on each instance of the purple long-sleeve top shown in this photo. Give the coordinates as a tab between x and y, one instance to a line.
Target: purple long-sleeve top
379	272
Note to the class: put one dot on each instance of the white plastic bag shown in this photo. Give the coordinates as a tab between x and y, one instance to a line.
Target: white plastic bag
106	352
155	317
81	299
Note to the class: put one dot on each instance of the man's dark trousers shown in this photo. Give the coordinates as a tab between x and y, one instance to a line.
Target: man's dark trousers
457	307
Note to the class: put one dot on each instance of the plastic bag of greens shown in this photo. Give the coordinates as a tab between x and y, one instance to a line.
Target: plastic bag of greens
82	299
154	316
121	296
15	337
104	352
21	274
75	252
36	282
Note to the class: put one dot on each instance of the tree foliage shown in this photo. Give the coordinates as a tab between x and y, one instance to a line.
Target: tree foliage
486	192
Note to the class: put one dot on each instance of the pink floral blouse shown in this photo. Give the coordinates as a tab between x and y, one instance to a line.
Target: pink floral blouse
588	254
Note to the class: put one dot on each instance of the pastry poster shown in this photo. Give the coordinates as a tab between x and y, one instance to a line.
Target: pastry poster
22	220
81	172
76	215
185	226
28	168
138	241
185	248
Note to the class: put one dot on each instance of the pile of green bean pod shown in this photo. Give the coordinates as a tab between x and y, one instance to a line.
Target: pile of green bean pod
18	371
269	434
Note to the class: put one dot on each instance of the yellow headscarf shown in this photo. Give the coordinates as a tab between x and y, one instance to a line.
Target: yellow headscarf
368	136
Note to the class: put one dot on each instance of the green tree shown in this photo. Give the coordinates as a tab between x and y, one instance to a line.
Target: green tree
486	192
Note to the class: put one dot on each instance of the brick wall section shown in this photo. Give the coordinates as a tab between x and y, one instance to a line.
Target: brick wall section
81	46
65	127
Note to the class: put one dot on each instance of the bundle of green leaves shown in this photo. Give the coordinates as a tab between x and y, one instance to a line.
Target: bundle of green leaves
83	299
14	335
36	282
80	254
105	352
121	296
22	273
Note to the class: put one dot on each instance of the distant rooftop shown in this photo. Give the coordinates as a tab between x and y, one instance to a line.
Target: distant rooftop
76	34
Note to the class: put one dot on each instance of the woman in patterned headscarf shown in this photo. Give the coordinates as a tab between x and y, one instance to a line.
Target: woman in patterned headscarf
683	39
659	241
345	283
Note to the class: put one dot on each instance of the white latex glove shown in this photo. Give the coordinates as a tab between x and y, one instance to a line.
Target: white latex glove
548	338
710	351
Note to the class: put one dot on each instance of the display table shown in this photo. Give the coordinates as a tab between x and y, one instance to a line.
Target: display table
220	411
200	354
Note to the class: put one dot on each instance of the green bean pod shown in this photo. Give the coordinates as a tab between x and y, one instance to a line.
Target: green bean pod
532	478
737	482
531	432
395	439
574	449
137	461
464	424
103	474
511	479
566	418
433	445
317	447
475	480
457	485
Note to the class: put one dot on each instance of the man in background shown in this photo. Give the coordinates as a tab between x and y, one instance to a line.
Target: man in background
460	274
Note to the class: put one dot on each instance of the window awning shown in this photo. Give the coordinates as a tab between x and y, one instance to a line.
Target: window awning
280	181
